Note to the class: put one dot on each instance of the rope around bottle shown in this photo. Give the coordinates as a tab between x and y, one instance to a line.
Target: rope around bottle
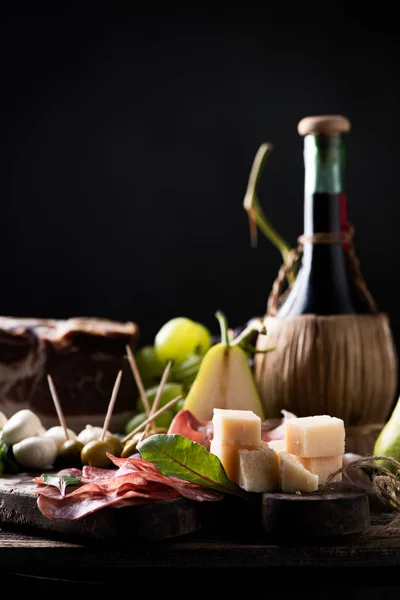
277	295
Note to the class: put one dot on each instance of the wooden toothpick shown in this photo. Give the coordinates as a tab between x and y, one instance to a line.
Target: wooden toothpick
57	405
111	405
138	379
157	399
151	417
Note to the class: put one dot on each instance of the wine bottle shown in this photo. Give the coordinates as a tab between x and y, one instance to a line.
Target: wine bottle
333	350
325	282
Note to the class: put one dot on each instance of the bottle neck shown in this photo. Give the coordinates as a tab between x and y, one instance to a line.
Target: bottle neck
325	212
324	196
323	284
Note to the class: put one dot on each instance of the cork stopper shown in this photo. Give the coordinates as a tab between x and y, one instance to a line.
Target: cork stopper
325	124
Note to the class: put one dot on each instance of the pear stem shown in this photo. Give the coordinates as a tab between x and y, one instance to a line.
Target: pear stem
223	324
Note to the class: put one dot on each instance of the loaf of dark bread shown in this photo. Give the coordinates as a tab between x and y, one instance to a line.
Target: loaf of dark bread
83	356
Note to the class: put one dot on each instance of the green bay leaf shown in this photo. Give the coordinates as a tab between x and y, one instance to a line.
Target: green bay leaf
61	482
177	456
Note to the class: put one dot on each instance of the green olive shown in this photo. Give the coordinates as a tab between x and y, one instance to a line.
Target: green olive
131	445
156	430
94	454
115	444
69	454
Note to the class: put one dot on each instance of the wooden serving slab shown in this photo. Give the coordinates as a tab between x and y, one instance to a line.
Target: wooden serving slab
340	511
158	521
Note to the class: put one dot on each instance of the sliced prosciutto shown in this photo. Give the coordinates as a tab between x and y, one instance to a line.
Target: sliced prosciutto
274	429
136	481
186	424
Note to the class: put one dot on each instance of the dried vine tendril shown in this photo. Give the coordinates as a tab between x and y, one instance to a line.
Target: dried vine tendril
385	483
254	211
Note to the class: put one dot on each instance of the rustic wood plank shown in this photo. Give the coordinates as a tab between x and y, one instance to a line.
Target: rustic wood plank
377	547
49	550
341	510
160	520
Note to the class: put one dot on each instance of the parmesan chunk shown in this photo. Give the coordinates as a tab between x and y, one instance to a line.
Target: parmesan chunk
228	455
234	430
323	466
258	470
237	427
294	476
277	445
314	437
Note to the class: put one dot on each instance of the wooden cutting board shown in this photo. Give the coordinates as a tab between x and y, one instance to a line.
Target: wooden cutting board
157	521
341	510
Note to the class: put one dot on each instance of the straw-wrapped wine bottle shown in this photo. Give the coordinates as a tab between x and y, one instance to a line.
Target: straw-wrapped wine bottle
334	350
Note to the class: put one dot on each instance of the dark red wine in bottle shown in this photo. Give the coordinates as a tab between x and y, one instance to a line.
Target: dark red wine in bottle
324	284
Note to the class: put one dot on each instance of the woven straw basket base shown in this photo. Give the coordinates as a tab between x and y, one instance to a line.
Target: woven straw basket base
340	365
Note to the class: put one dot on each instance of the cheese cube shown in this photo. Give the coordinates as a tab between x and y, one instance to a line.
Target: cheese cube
294	476
237	427
312	437
323	466
277	445
228	455
258	470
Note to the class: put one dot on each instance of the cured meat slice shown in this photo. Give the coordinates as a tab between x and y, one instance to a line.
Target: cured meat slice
89	473
73	509
196	492
74	472
186	424
135	481
139	464
274	429
184	488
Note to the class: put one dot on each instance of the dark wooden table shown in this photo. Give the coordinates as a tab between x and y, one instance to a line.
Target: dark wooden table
60	564
229	546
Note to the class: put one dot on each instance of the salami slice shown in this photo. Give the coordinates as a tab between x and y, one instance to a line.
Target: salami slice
138	464
135	481
196	492
95	474
71	471
72	509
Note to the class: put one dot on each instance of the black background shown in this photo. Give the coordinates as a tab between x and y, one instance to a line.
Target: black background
128	142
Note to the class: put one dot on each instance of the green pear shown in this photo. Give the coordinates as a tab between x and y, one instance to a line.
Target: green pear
388	441
224	380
